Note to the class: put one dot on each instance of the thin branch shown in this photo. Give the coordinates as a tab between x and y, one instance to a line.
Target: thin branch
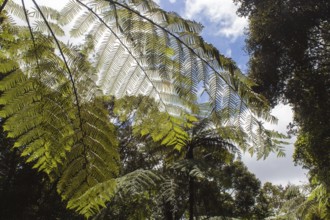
3	5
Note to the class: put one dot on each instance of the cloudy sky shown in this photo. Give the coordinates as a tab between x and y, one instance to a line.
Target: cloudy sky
225	30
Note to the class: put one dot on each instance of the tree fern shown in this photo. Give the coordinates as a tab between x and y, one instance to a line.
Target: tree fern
140	28
133	48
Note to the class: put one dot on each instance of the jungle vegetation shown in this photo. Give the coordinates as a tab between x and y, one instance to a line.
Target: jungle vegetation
136	117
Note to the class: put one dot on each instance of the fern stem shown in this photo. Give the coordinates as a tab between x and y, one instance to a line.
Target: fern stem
3	5
70	76
32	36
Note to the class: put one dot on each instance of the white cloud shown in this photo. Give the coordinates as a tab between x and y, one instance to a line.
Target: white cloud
228	52
274	169
221	13
172	1
284	114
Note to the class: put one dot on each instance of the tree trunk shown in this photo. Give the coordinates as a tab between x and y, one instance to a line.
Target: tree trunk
191	198
190	156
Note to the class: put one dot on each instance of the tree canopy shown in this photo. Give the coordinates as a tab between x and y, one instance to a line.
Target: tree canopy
289	47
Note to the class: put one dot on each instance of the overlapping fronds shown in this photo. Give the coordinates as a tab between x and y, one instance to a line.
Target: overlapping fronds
312	204
90	167
133	48
266	138
38	117
42	130
164	128
138	181
141	49
8	45
51	108
317	204
208	148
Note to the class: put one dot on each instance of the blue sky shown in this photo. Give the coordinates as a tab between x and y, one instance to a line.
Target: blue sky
222	27
225	30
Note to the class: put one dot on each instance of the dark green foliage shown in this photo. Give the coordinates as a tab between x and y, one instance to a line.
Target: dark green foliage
24	192
158	179
294	202
289	44
286	41
232	193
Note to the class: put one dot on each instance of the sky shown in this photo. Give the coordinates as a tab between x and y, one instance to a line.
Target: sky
226	31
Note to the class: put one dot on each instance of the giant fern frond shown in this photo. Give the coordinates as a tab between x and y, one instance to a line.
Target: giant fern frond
51	109
143	50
